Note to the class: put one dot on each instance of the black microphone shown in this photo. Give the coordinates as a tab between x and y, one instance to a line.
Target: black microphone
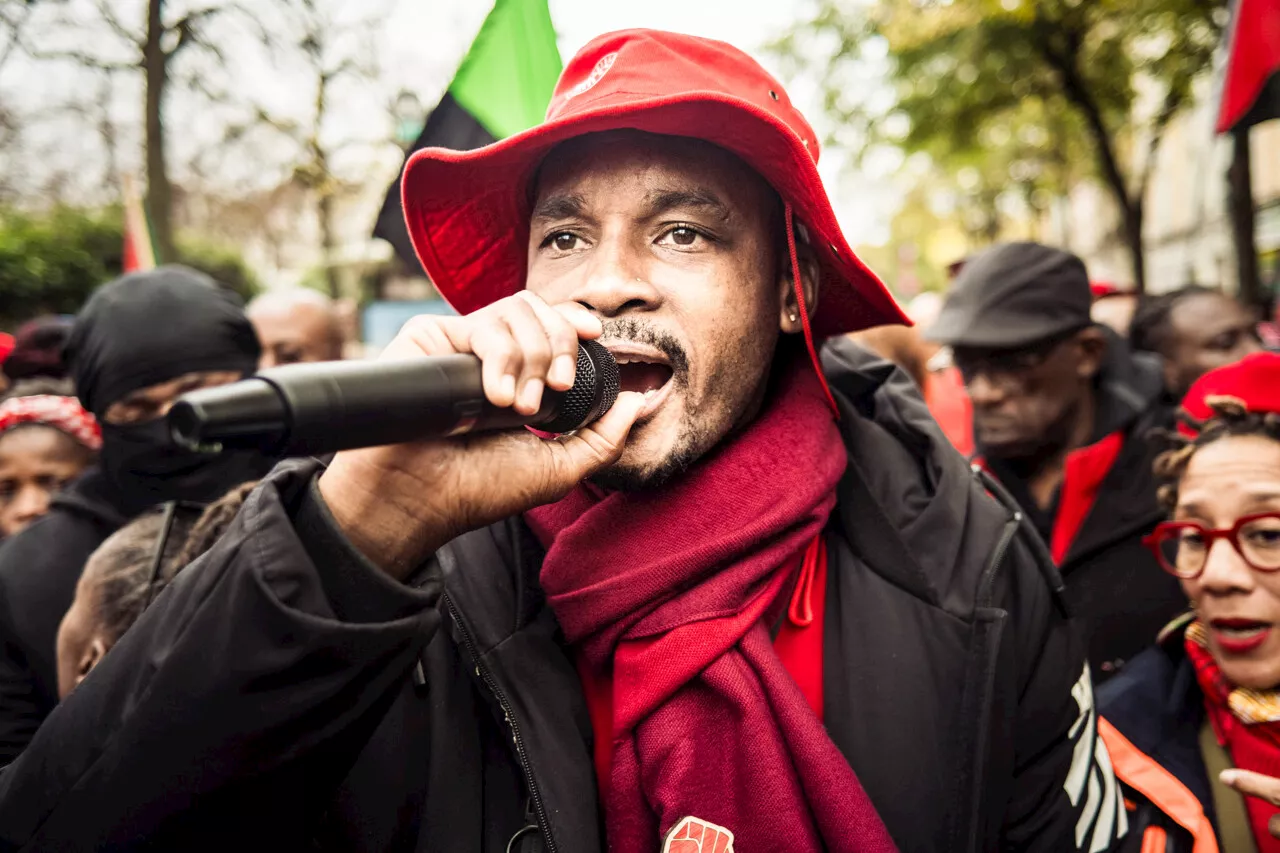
310	409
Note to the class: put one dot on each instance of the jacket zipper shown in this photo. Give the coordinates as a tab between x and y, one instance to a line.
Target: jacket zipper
978	768
535	797
997	557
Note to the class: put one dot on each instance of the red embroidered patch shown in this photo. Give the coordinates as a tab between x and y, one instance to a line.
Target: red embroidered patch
694	835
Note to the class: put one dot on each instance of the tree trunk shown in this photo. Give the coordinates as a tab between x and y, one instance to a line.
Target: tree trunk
1240	204
1078	95
159	191
324	206
323	180
1133	214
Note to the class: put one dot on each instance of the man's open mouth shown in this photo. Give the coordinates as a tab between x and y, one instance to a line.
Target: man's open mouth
642	372
645	370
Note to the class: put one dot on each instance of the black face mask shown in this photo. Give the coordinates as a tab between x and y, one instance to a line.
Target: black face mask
148	468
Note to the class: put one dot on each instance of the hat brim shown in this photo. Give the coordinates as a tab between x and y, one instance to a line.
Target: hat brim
467	212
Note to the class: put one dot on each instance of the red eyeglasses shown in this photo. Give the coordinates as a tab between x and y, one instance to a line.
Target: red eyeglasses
1182	547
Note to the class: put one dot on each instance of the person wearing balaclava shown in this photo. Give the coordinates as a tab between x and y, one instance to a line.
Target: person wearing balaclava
138	343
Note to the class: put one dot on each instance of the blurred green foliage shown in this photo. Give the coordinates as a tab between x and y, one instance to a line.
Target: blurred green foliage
1022	96
221	263
50	262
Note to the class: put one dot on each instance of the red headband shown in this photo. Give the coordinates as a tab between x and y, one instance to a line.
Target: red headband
61	413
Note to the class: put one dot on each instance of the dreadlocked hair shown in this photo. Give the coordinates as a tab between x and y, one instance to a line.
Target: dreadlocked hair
121	568
212	523
1230	417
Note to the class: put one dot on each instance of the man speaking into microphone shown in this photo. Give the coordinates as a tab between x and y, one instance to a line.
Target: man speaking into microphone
759	602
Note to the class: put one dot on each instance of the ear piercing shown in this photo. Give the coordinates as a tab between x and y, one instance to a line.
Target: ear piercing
793	316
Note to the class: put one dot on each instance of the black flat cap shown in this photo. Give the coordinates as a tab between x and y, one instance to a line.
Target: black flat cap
1014	295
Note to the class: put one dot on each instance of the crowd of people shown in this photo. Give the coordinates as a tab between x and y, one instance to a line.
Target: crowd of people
784	595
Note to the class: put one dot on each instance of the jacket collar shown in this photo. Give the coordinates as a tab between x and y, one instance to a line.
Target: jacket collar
909	505
1129	385
92	495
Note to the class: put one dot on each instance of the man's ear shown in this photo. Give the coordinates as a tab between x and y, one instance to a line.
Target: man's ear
1093	351
810	275
93	653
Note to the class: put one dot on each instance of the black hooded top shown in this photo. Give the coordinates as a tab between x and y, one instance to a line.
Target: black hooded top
151	327
134	332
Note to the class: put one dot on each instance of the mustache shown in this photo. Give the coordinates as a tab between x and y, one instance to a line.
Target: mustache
631	329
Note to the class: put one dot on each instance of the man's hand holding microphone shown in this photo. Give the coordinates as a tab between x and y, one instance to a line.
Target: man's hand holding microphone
399	503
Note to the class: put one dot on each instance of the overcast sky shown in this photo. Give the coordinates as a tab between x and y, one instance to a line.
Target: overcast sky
418	45
416	37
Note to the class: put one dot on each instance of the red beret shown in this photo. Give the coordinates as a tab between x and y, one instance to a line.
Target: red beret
1254	381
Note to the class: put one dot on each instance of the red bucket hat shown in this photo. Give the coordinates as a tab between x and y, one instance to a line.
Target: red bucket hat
468	211
1254	381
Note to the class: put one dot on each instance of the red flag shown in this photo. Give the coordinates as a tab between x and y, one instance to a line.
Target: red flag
1251	82
138	253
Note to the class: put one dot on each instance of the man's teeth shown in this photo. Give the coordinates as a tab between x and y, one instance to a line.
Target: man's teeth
650	393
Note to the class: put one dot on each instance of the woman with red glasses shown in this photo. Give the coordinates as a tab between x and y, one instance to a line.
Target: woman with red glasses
1193	725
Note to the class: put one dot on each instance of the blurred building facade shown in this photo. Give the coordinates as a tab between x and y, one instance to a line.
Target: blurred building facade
1187	227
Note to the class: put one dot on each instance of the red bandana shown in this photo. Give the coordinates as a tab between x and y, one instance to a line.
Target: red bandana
61	413
1247	723
667	589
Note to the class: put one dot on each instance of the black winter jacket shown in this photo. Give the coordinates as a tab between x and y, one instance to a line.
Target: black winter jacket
1157	705
39	569
283	694
1115	587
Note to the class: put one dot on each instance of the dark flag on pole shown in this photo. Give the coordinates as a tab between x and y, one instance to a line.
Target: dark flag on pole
502	87
1251	79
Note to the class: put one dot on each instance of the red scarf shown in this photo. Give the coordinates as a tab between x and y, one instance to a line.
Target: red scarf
667	589
1247	725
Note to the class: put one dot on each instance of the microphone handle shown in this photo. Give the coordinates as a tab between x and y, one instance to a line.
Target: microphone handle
405	400
311	409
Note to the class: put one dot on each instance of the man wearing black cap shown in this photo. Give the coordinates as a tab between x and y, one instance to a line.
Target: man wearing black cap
1061	411
137	344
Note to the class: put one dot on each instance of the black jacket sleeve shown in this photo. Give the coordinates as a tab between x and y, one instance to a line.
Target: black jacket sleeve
1064	794
20	707
39	569
231	710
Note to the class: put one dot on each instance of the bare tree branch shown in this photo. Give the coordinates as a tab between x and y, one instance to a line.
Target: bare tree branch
104	9
200	84
1173	101
349	65
287	127
187	28
15	33
213	49
85	59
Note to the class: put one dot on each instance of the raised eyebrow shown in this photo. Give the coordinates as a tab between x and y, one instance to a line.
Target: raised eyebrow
555	207
661	201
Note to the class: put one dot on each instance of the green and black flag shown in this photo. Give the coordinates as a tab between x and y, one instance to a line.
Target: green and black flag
502	87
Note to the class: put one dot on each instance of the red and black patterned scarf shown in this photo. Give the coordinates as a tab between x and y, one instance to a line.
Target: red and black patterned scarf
1247	723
